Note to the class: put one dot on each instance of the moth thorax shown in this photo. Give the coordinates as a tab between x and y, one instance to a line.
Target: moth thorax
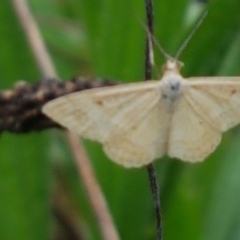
171	89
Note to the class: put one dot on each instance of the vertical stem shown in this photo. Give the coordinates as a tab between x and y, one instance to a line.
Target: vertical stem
148	75
156	200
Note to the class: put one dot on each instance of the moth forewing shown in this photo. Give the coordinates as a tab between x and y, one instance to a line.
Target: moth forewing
218	99
91	111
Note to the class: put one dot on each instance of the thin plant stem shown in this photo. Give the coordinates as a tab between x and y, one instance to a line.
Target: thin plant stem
148	74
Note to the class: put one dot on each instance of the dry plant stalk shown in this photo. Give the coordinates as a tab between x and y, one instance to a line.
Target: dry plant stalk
43	59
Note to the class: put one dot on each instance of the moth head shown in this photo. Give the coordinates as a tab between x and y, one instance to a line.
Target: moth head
172	66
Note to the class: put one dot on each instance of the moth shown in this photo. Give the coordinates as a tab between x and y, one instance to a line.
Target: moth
139	122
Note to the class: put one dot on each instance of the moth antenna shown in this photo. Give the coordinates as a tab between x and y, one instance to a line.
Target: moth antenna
189	37
152	39
161	49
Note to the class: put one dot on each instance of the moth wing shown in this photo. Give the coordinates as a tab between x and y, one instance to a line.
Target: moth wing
218	100
211	106
126	119
191	138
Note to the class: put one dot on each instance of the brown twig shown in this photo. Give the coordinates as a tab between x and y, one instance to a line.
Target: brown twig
20	107
108	229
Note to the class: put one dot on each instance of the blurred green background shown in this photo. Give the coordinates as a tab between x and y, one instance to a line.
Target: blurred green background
104	38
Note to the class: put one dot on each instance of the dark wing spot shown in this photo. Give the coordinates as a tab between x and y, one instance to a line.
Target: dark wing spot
99	102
